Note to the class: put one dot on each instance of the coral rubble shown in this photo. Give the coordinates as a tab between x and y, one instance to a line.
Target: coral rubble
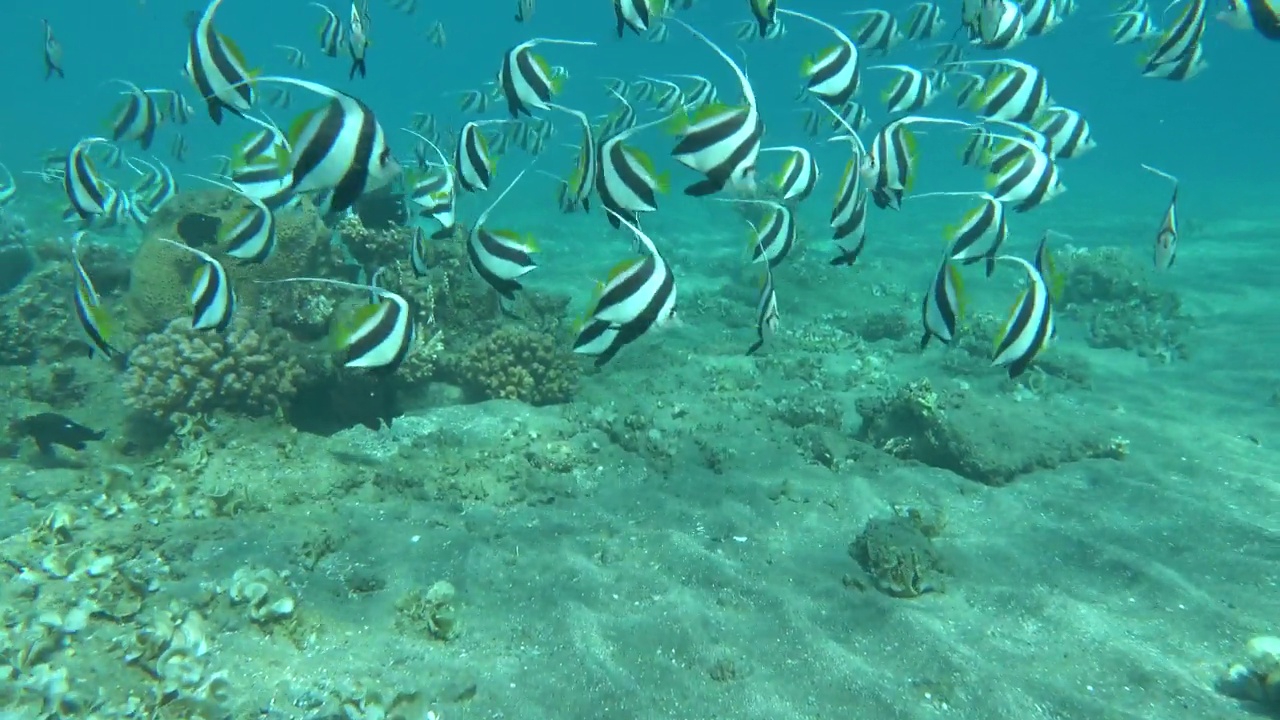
993	441
516	363
179	373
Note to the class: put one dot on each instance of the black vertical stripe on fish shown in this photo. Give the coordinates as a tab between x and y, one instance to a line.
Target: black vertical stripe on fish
215	70
471	159
723	149
213	301
835	77
85	190
494	258
1182	38
940	311
766	313
1026	333
339	147
87	304
1166	240
392	331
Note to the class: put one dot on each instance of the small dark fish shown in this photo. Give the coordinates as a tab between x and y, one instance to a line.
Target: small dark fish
524	10
49	429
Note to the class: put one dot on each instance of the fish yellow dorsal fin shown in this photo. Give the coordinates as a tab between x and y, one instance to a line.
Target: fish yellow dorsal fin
1008	323
346	328
621	268
300	123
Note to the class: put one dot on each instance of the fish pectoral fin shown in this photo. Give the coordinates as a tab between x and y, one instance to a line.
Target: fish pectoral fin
703	187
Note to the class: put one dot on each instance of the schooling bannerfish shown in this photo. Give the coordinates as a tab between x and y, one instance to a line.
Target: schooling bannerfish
49	429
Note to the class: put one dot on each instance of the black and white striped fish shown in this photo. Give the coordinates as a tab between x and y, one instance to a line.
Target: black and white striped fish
86	191
1068	132
833	74
213	301
217	69
980	233
582	179
94	320
294	56
943	305
626	181
1132	27
636	14
1000	25
157	186
174	108
1262	16
524	10
1028	179
434	193
526	79
418	252
500	257
377	335
1044	264
889	163
137	117
702	93
924	21
249	235
766	312
638	296
1015	92
667	97
338	146
879	34
52	53
1040	16
799	173
1166	244
333	34
747	31
178	147
765	13
721	142
1180	41
775	236
1030	326
910	91
473	164
849	213
1180	68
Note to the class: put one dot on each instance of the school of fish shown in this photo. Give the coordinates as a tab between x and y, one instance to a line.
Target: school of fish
1009	126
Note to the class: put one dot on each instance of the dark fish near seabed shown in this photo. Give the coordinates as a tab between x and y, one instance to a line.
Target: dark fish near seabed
49	429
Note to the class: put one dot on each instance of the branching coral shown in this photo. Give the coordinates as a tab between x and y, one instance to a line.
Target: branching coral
519	364
181	373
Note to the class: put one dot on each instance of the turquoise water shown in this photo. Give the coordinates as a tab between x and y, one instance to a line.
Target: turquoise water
839	524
